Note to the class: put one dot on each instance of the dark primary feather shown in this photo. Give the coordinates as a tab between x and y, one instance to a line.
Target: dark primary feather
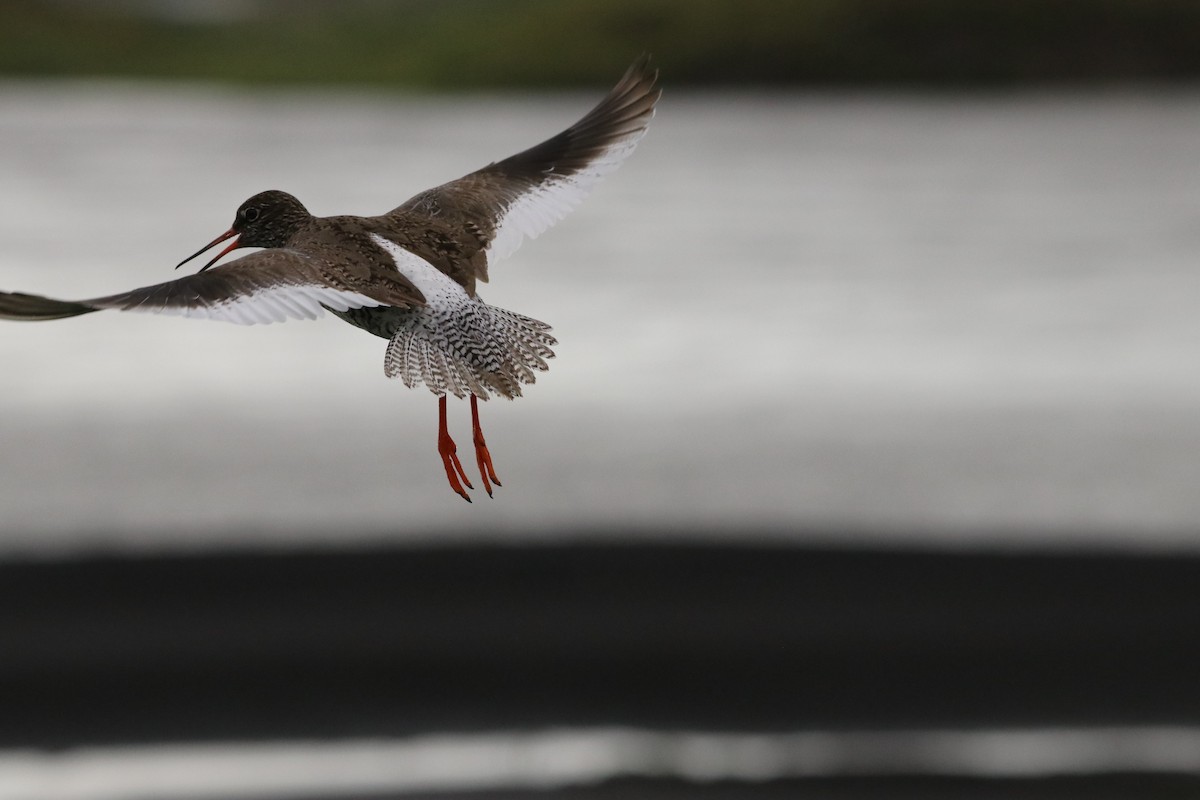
17	305
477	203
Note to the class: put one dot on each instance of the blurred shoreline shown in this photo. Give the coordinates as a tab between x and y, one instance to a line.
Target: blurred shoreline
391	642
445	44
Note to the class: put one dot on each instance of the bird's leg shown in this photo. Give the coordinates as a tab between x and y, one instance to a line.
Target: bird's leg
482	456
448	452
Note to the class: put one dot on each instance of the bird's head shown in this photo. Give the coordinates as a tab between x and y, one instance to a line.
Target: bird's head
268	219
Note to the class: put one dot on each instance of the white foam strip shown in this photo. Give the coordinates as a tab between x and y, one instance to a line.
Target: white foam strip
561	758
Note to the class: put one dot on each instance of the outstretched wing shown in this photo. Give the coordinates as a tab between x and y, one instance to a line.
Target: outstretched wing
525	194
263	287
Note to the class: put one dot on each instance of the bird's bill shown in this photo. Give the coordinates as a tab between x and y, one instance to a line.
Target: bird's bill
229	234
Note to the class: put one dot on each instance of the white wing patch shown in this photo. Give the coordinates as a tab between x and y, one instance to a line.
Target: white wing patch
535	210
277	304
439	289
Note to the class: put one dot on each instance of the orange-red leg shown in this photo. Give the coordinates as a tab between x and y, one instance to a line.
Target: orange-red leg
482	457
449	454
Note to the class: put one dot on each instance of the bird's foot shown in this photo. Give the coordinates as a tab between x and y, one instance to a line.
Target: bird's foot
454	468
449	453
482	457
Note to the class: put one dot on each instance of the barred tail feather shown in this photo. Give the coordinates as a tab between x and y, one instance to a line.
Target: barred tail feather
481	350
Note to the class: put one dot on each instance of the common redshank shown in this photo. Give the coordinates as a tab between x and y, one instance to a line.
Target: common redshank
409	275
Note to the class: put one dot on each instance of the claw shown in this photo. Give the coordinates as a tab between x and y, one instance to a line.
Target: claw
449	453
482	457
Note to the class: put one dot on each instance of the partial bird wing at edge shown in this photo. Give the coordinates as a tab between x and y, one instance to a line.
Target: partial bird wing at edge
263	287
33	307
525	194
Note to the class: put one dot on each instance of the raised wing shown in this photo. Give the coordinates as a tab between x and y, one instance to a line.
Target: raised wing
263	287
525	194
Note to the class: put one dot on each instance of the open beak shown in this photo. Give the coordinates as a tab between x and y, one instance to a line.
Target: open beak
229	234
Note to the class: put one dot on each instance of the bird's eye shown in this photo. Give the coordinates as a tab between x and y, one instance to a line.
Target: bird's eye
250	214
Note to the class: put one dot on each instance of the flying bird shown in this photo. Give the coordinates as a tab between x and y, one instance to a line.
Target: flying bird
410	275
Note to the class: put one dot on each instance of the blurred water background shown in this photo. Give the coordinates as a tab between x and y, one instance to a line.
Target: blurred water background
867	464
886	315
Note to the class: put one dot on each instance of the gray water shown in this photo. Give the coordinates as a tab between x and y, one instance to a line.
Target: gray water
955	320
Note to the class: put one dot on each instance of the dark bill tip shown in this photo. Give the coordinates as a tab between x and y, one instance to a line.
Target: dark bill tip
226	235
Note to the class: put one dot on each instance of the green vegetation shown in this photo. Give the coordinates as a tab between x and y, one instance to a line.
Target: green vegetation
464	43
